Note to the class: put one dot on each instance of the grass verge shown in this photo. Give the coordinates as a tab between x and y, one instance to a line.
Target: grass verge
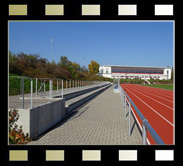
165	86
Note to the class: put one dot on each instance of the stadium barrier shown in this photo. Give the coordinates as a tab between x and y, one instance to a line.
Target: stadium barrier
145	124
38	87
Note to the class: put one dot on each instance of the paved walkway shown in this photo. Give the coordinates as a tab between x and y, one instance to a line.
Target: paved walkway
99	122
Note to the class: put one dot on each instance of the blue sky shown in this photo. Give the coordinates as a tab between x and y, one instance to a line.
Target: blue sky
108	43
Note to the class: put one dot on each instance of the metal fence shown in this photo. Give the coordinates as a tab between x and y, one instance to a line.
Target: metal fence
145	124
45	88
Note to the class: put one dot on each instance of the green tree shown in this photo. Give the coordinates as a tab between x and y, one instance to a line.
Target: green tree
93	67
14	64
64	61
84	69
76	66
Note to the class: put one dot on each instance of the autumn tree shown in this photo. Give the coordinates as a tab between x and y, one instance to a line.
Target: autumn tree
76	66
32	65
64	61
93	67
84	69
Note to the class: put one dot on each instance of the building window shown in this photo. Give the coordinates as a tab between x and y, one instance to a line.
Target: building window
107	70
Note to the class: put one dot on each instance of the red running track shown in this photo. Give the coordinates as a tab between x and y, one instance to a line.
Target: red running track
157	106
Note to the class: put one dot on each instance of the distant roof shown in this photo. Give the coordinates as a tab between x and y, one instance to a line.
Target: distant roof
136	66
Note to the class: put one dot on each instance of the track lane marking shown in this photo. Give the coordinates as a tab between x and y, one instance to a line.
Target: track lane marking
163	94
154	95
153	99
137	118
151	108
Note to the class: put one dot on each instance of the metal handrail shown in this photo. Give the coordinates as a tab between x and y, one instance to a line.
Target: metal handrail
20	77
145	123
81	85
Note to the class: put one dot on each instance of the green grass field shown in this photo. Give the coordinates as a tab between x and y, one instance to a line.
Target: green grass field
162	86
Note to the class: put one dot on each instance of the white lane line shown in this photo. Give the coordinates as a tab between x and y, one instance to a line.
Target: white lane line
154	94
153	99
151	108
163	94
158	90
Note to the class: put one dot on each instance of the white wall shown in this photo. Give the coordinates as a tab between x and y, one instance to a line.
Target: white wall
169	73
37	120
105	70
107	75
101	69
110	75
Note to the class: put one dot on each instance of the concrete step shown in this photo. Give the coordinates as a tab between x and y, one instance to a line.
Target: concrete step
76	102
76	93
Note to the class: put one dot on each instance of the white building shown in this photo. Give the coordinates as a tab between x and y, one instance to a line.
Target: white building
131	72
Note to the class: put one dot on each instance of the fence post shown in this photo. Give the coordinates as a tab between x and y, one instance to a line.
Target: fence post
73	85
36	86
57	85
44	87
41	87
20	87
62	88
23	92
129	114
144	133
31	92
50	89
70	85
66	85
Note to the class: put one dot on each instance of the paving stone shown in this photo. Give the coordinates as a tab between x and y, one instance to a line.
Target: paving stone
99	122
